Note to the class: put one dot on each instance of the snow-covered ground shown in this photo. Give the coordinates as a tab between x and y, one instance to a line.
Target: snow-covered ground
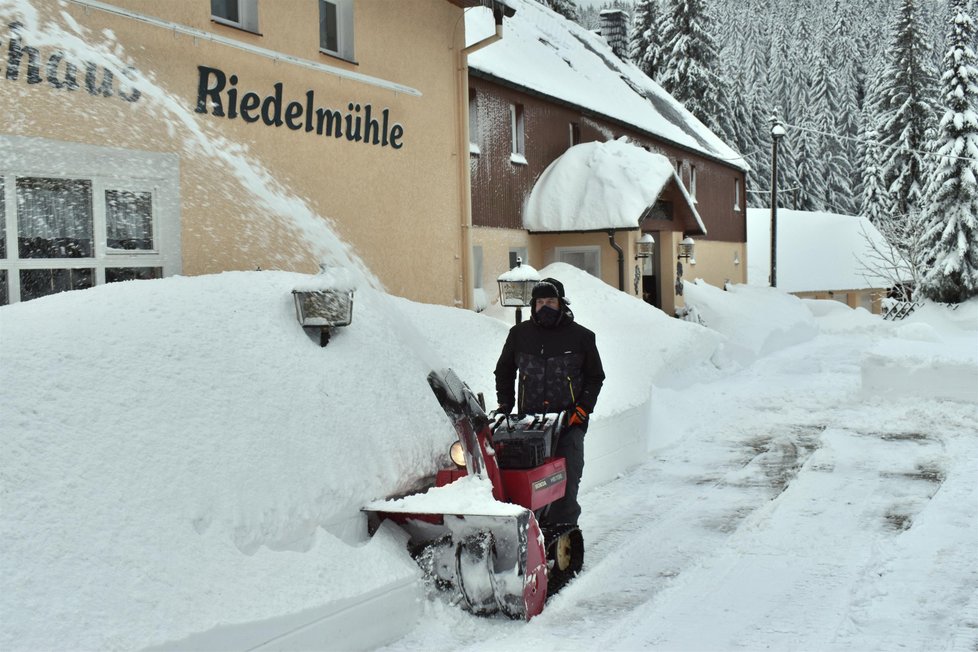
178	455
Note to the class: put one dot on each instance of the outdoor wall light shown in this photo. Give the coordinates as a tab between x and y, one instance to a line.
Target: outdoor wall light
645	246
326	302
516	287
686	248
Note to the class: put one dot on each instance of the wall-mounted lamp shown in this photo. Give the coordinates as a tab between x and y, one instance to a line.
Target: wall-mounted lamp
645	246
325	303
686	248
516	287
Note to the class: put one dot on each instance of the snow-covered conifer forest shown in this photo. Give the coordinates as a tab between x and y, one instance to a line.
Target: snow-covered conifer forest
879	99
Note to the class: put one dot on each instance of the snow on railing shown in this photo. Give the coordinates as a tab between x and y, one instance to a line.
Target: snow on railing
895	310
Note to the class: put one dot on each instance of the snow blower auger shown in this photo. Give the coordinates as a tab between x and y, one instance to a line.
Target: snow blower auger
493	558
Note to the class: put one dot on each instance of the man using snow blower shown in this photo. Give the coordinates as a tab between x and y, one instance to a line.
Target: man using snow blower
559	369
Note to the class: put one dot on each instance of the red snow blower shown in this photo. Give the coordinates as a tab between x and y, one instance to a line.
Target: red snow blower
500	559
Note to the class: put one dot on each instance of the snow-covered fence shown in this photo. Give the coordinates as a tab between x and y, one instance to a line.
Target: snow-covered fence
894	310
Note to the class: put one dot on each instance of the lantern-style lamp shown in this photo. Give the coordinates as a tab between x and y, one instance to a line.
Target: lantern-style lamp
516	287
645	246
686	248
325	302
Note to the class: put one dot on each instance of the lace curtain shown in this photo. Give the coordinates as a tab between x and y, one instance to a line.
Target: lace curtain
129	219
54	218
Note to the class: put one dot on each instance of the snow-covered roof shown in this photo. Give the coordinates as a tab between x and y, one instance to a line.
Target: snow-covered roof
817	251
598	186
546	53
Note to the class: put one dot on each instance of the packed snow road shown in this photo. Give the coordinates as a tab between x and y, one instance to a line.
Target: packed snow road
779	508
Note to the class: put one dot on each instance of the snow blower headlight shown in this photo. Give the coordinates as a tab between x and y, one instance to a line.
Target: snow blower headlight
457	454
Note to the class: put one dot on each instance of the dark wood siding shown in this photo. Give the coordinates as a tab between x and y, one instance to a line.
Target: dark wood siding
500	186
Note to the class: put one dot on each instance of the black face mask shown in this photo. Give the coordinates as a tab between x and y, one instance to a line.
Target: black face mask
547	316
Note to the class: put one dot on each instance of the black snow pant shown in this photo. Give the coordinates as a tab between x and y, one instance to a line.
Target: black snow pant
570	446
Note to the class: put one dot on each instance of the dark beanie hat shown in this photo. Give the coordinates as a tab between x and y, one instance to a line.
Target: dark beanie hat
549	287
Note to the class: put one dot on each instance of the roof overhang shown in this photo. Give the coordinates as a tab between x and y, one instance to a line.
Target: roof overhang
603	186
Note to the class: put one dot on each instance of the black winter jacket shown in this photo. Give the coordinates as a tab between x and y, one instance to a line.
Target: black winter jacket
558	367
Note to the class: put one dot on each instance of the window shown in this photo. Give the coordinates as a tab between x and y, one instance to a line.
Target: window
242	14
336	28
575	133
517	254
95	224
737	195
585	258
519	138
473	122
692	183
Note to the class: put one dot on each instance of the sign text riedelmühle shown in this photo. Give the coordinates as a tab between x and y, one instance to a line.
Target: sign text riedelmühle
215	91
358	123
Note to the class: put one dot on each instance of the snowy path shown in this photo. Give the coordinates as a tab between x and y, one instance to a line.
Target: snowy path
790	513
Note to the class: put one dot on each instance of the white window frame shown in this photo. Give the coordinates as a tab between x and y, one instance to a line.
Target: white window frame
105	169
737	195
570	129
247	16
692	183
344	29
517	122
590	250
517	252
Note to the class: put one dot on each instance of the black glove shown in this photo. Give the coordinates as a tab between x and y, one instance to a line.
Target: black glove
499	414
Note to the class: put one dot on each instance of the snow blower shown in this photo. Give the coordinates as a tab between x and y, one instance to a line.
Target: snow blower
494	557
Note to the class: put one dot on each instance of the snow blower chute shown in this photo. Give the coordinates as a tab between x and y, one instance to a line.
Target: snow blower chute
496	558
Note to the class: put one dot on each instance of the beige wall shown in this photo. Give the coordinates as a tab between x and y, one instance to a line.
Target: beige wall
868	298
399	209
715	261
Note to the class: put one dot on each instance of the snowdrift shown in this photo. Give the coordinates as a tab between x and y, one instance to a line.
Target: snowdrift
180	451
754	321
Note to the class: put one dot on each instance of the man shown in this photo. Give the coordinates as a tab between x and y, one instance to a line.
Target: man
559	369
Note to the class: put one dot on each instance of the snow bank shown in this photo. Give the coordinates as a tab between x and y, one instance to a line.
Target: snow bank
931	354
934	354
181	452
754	321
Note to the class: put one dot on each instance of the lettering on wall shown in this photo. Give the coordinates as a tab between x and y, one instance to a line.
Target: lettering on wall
26	63
219	93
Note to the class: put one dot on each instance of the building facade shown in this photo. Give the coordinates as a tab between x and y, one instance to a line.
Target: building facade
143	140
523	118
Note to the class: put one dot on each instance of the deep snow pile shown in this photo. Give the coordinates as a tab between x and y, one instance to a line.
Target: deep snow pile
754	321
179	454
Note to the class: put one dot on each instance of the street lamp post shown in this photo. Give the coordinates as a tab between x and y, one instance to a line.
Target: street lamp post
516	287
777	133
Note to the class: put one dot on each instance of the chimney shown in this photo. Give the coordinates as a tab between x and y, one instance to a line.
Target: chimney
614	29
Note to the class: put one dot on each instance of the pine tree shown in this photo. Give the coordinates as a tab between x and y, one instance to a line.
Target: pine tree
951	232
875	200
906	111
690	70
844	62
835	192
643	44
